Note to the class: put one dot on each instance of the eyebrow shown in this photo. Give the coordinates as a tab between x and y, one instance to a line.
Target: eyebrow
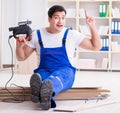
58	15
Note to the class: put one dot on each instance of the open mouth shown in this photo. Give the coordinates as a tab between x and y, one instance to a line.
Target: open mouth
59	26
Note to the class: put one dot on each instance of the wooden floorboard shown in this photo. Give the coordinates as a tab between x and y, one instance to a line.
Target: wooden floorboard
71	94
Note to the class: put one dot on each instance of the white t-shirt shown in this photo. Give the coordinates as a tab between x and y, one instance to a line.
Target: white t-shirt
74	38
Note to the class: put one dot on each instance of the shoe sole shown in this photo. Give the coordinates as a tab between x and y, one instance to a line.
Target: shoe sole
46	94
35	84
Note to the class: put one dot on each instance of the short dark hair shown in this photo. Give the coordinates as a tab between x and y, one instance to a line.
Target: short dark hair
55	8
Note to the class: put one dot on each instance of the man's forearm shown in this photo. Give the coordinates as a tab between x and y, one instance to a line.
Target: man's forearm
95	38
20	53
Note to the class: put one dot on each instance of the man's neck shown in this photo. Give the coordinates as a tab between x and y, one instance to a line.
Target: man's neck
52	31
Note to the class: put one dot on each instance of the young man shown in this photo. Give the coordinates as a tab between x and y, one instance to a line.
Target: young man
55	46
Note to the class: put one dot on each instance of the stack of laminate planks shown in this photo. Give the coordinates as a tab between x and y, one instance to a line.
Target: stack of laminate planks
15	93
71	94
83	93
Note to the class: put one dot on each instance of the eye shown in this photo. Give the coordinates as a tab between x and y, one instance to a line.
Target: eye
55	17
63	18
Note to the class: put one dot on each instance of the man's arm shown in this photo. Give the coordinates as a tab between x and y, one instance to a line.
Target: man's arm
92	43
22	50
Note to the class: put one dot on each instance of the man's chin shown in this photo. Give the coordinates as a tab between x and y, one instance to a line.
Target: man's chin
59	29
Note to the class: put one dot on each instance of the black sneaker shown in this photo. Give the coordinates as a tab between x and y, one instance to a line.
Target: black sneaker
46	94
35	84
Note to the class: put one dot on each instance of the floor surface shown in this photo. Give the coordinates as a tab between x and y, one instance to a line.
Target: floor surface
108	80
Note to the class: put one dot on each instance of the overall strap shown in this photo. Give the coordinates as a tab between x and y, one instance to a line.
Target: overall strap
39	37
65	36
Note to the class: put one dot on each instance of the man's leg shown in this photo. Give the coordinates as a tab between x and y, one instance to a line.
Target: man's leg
62	79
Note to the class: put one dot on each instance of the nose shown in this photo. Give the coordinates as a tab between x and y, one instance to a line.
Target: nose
60	20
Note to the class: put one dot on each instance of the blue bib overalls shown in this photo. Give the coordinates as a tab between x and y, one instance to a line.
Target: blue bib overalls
55	66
